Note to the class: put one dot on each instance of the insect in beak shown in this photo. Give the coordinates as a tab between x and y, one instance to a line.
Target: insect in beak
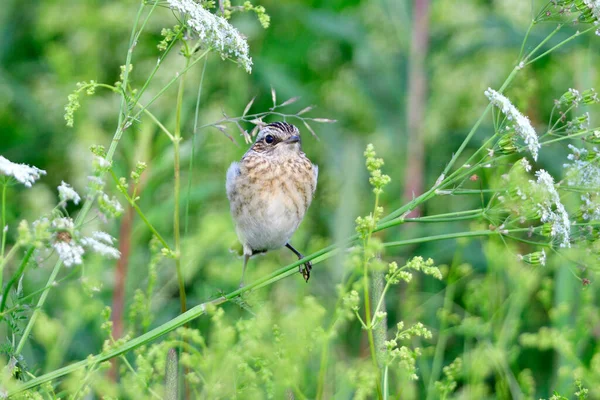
293	139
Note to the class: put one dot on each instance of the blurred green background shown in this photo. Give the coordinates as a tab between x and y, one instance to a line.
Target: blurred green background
355	62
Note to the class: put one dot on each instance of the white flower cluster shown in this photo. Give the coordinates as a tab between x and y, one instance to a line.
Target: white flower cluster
590	207
594	6
522	125
70	248
575	97
215	31
551	209
69	252
23	173
67	193
101	243
583	170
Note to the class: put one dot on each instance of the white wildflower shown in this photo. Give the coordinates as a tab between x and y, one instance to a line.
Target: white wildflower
101	162
103	237
551	209
576	96
110	206
215	31
522	125
63	224
69	252
543	257
584	169
525	164
23	173
594	6
101	243
67	193
590	207
67	248
96	183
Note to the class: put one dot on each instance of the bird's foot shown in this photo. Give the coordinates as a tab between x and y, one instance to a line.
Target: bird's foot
305	270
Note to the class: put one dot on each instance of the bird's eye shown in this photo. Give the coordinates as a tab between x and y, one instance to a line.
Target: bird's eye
269	139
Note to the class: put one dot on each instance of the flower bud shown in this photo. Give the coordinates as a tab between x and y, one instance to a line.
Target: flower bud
535	258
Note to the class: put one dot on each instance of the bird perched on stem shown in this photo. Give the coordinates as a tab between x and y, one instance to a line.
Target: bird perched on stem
269	191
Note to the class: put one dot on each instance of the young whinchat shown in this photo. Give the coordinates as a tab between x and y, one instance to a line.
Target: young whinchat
269	191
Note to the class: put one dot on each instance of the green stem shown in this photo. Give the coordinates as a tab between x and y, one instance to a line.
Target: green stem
572	136
177	189
366	283
157	66
447	236
4	230
191	166
40	290
199	310
435	220
141	214
156	121
329	333
38	307
4	260
178	321
440	346
382	297
15	278
525	39
561	43
473	130
173	80
88	203
542	43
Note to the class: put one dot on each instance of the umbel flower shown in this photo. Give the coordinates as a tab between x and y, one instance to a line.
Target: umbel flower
551	209
23	173
215	32
538	199
522	126
70	246
582	173
67	193
584	168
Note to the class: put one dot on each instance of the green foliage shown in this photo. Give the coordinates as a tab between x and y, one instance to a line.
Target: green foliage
516	243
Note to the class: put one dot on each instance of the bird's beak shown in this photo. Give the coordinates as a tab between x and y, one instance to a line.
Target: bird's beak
293	139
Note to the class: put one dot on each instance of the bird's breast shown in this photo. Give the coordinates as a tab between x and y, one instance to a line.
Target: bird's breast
270	200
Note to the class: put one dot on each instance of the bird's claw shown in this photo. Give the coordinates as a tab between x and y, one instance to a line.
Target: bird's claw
305	270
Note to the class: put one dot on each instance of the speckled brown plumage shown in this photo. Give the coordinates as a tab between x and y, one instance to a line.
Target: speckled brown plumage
270	190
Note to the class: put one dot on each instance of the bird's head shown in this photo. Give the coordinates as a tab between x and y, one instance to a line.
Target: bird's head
278	139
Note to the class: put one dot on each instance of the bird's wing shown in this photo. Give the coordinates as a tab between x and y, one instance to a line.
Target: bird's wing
315	176
232	173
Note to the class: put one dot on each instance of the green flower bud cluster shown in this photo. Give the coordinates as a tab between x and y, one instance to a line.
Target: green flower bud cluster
140	167
123	68
168	35
406	357
535	258
452	373
73	100
378	180
260	12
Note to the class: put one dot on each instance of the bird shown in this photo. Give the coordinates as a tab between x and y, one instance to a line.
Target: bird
269	192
